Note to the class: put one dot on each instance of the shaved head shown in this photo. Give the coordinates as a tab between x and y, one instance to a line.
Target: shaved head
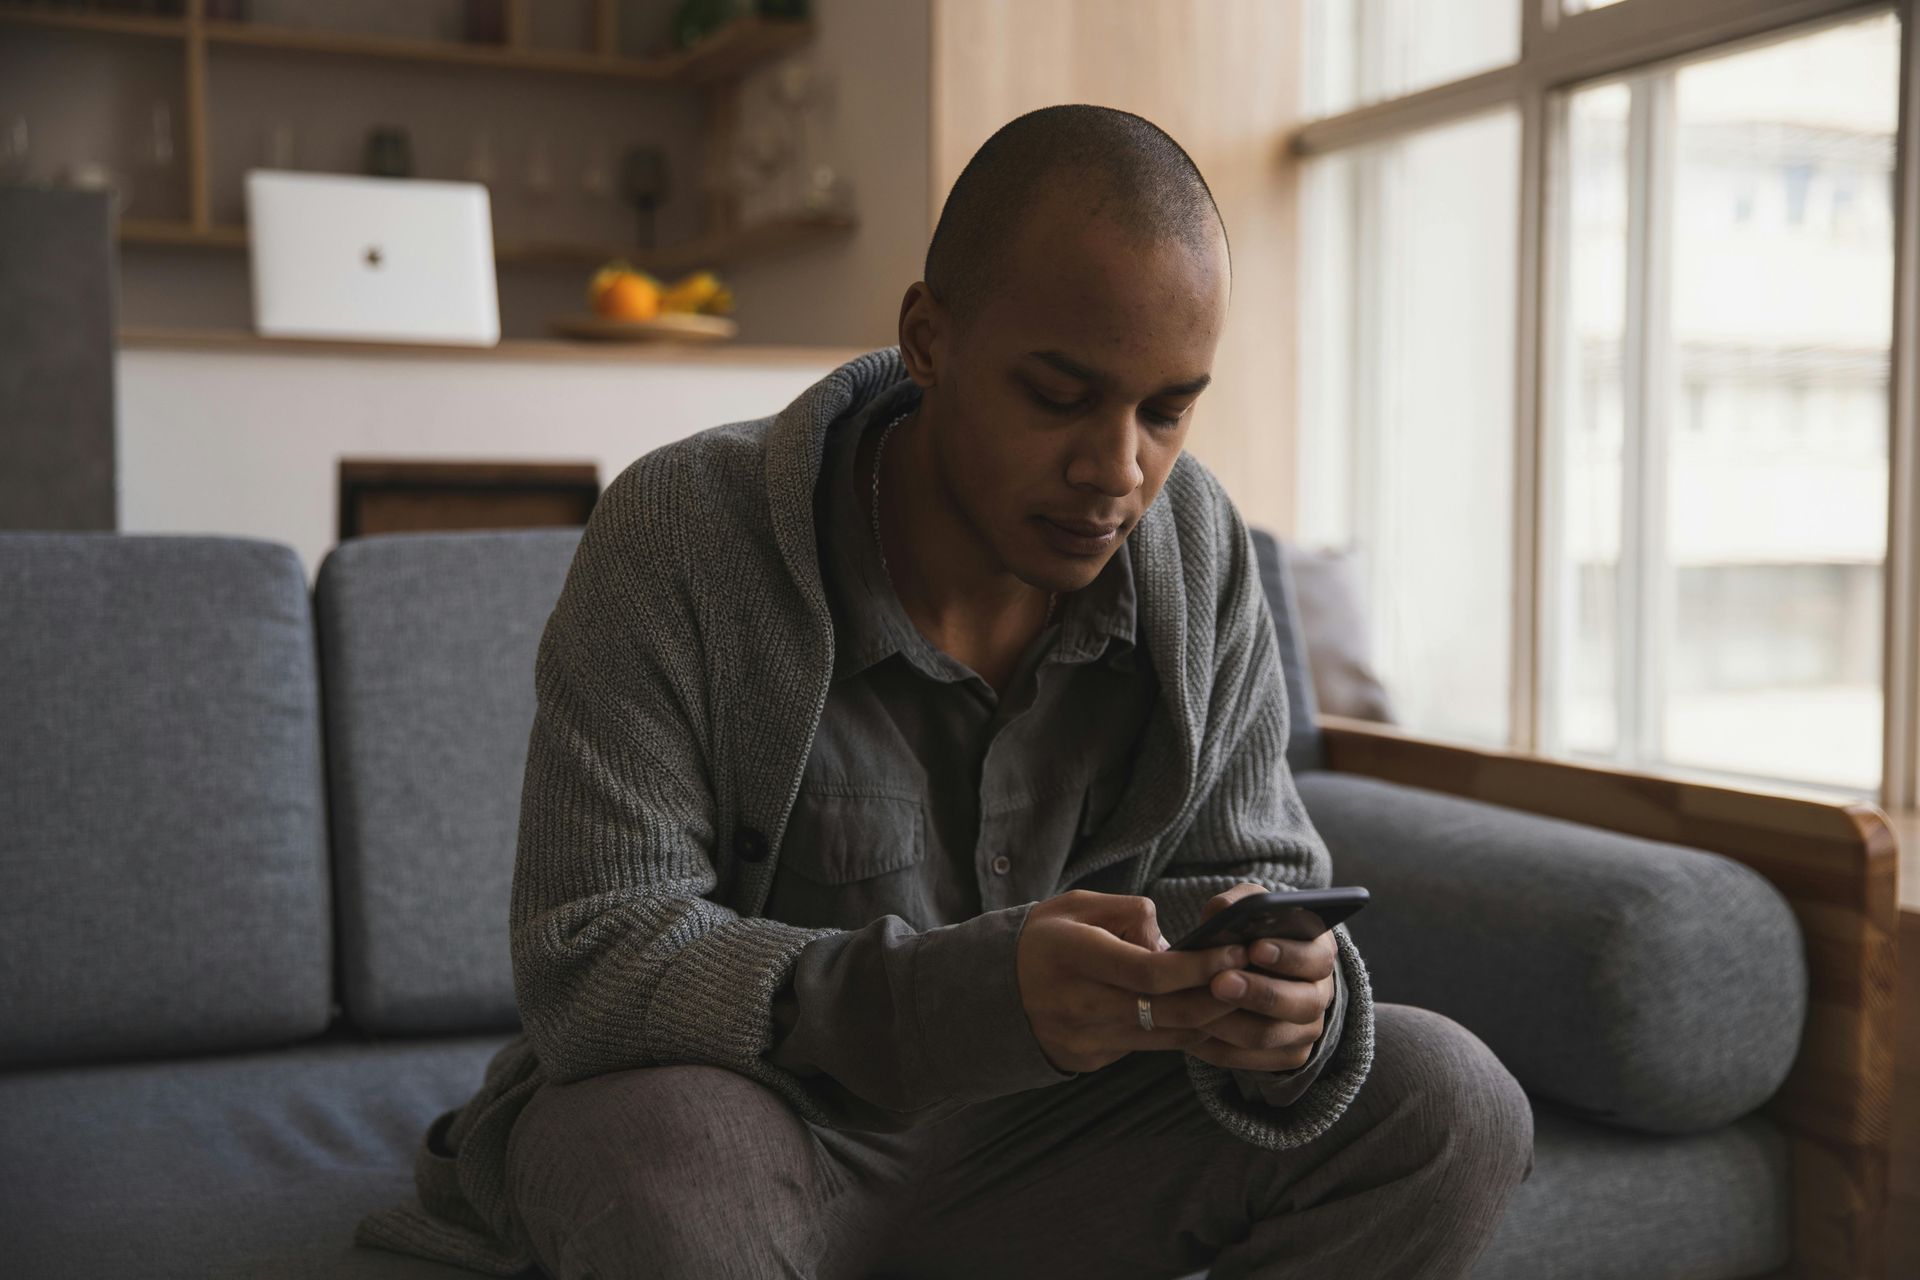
1111	166
1074	297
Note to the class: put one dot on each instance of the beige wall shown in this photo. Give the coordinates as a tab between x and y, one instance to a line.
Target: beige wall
847	292
1222	77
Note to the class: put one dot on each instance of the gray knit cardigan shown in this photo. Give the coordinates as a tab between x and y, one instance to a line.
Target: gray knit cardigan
680	678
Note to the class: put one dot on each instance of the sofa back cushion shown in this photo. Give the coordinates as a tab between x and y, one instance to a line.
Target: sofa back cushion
163	883
1303	728
427	644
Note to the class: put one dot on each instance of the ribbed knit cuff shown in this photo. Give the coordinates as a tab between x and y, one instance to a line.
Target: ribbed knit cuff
714	1003
975	1039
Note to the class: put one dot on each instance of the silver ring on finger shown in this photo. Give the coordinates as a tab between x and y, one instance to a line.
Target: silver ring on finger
1145	1004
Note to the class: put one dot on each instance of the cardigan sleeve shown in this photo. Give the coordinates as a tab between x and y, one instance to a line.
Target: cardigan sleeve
893	1028
1250	825
622	956
619	958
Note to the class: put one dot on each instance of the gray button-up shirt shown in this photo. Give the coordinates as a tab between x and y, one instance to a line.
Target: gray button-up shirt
933	812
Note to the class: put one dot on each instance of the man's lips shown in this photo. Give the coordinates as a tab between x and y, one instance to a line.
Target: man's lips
1085	528
1079	537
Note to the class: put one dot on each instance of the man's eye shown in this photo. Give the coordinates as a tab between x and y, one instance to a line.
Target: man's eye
1053	406
1161	419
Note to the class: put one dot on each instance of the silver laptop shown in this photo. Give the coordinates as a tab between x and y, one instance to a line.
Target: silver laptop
383	259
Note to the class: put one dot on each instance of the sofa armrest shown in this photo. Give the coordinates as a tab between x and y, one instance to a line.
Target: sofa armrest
1834	862
1633	982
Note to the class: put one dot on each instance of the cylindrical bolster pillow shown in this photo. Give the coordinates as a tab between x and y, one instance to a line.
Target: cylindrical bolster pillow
1634	982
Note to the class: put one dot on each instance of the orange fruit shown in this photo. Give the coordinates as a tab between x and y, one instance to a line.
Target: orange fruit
628	296
603	277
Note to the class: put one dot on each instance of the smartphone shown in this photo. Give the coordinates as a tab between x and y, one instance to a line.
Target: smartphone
1302	914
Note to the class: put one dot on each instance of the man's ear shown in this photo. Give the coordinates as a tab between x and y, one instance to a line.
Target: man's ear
922	323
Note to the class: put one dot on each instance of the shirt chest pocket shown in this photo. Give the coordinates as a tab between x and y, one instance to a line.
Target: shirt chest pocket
842	839
1103	795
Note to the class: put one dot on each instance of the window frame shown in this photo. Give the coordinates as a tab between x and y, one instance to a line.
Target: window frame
1634	40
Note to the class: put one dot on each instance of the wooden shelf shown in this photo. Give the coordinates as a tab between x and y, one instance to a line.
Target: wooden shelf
763	239
116	24
163	231
239	342
734	50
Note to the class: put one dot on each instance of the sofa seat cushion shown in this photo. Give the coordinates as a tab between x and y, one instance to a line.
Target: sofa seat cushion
1602	1202
1633	982
257	1164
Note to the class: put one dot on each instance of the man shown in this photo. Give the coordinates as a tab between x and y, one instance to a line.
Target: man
882	746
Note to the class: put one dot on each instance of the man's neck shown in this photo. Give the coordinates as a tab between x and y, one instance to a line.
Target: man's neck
958	594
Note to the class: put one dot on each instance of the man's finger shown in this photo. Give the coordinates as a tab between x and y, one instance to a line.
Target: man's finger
1227	897
1120	963
1172	1010
1282	999
1292	958
1133	917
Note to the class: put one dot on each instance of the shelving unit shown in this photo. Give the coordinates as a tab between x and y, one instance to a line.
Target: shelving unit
758	239
711	68
739	47
117	24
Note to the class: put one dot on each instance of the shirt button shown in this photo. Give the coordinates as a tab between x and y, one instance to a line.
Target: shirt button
1001	863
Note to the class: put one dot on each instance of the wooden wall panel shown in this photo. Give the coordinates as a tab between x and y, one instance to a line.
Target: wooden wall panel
1221	76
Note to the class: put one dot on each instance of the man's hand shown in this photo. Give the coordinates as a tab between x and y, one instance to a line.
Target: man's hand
1276	1019
1084	958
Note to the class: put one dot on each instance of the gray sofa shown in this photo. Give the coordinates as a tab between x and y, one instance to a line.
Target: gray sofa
255	853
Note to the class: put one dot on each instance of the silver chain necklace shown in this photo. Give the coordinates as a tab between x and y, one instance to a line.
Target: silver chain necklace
1053	598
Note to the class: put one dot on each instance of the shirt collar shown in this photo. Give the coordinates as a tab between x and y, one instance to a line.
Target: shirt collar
870	624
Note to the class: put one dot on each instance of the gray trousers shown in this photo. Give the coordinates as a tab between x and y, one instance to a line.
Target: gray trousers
694	1171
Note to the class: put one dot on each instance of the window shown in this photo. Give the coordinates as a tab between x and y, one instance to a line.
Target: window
1373	49
1424	272
1598	376
1722	484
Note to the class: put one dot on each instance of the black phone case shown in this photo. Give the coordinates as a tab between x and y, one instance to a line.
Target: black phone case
1302	915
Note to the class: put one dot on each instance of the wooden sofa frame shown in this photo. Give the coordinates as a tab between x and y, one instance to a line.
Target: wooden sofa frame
1836	865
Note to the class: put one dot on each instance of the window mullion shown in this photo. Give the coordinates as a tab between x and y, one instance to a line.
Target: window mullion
1900	777
1628	564
1537	17
1658	581
1638	685
1556	607
1525	652
1367	393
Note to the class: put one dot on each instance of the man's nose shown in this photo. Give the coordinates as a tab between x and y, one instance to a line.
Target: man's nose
1108	455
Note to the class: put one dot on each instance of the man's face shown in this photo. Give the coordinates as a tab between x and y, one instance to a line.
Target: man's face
1064	404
